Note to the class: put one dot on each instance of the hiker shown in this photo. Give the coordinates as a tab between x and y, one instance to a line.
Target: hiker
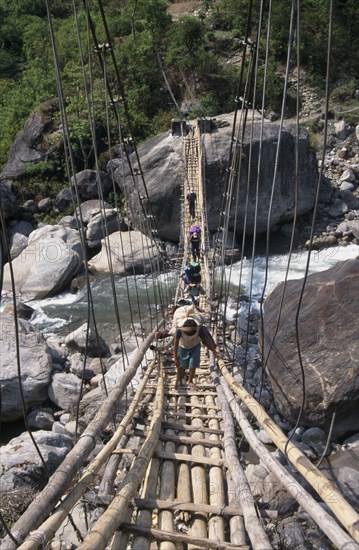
195	290
191	274
194	238
191	201
191	308
187	347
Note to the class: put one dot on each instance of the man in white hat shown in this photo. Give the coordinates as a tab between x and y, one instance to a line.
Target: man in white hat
187	347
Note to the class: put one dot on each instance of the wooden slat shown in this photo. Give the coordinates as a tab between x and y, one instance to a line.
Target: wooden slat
176	439
185	427
152	503
183	391
201	416
191	441
189	458
179	537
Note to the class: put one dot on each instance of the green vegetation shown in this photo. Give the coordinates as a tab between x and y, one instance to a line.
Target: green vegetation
157	59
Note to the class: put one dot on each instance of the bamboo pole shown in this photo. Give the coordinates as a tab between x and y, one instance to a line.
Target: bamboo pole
49	527
167	491
236	523
112	518
325	488
184	474
216	527
120	538
108	478
252	522
324	520
144	518
198	477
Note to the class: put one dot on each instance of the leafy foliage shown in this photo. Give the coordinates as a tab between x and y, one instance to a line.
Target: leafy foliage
157	59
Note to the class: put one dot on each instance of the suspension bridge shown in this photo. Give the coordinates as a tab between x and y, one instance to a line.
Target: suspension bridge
171	474
183	484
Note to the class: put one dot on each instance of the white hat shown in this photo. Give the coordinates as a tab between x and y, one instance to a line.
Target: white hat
182	322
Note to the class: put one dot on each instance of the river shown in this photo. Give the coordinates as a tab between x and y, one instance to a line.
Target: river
67	311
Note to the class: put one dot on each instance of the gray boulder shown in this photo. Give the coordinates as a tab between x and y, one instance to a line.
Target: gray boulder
40	419
64	199
88	208
82	340
102	224
162	158
21	464
89	182
131	253
328	336
48	264
30	144
8	200
64	390
18	233
35	368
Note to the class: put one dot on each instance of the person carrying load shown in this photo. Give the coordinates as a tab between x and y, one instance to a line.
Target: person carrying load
189	333
191	274
194	237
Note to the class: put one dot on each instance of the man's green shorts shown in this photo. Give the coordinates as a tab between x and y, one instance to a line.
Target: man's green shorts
189	357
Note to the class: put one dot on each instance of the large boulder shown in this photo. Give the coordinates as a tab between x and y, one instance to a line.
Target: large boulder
328	337
46	266
18	233
101	225
21	464
92	184
8	201
131	253
64	390
162	162
35	365
86	339
31	143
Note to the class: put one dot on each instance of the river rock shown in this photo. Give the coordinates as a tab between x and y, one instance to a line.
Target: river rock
88	341
35	368
30	144
83	517
64	390
90	183
328	317
348	481
131	253
48	263
40	419
21	464
80	367
102	224
162	155
349	226
316	439
90	208
8	200
64	199
290	534
118	367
